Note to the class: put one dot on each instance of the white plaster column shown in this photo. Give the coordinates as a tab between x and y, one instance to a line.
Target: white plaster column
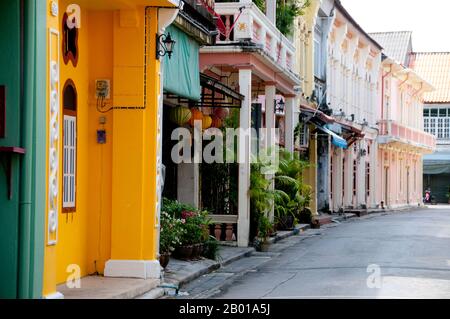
245	88
291	123
270	94
337	178
374	177
189	184
271	10
348	176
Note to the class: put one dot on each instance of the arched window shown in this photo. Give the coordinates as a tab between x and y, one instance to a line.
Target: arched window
70	146
70	41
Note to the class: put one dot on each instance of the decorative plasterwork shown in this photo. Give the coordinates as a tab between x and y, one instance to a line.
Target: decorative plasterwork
54	138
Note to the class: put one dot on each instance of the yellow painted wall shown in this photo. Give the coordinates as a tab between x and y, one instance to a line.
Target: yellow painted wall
49	276
116	182
304	43
73	227
100	164
135	142
310	174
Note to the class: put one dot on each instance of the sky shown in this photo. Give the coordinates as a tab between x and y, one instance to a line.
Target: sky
428	19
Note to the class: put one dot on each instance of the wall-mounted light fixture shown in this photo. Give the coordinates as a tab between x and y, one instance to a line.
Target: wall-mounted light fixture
362	153
164	45
280	105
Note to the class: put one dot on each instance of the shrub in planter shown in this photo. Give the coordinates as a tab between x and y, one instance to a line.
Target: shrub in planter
170	236
196	232
211	248
265	229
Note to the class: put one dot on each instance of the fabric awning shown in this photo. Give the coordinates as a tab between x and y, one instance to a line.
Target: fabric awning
335	139
182	70
437	163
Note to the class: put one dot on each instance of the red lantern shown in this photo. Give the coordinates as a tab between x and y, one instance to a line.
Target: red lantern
221	112
216	121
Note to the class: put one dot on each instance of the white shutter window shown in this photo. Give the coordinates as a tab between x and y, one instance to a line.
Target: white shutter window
303	135
70	161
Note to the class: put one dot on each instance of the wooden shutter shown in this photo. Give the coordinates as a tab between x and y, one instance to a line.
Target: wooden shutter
70	162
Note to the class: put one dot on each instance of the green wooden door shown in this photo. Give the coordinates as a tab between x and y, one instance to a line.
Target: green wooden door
10	79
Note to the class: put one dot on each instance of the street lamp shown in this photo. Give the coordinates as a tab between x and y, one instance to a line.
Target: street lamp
164	45
279	106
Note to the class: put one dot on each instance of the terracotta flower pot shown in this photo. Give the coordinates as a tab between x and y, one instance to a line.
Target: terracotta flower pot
184	252
218	232
229	232
194	251
164	260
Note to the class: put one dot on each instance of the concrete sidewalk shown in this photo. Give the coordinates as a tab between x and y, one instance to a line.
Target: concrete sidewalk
180	273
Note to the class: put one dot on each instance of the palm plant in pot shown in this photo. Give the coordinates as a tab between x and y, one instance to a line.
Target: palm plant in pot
292	195
265	229
261	201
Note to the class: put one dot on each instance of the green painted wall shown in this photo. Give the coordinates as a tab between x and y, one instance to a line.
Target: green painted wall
9	210
22	219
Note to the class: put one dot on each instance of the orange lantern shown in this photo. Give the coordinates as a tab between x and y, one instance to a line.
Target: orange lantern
196	116
207	121
216	122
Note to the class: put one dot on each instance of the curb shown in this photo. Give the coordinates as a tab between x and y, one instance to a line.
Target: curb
160	292
298	229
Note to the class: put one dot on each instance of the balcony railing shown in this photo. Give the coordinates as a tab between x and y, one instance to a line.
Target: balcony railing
254	26
397	131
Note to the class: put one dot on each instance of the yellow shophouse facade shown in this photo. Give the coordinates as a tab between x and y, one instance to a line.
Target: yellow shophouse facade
104	101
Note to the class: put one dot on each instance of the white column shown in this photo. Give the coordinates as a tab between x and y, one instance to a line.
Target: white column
270	93
245	85
291	122
188	184
271	10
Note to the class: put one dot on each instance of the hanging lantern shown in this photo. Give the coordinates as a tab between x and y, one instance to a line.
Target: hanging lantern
221	112
180	115
206	122
196	116
216	121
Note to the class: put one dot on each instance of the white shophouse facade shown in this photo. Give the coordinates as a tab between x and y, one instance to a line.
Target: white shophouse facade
353	70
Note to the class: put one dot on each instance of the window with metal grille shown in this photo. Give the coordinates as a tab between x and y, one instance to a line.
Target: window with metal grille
440	128
426	125
303	134
69	147
437	122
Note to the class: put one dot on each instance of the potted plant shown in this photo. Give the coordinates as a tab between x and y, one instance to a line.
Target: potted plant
448	196
170	233
211	248
265	229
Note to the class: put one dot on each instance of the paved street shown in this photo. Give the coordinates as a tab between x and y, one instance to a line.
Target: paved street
400	255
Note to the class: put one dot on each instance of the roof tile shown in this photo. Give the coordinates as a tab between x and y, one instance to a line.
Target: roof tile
435	68
397	45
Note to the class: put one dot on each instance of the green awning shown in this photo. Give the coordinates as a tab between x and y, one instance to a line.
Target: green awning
182	71
437	163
